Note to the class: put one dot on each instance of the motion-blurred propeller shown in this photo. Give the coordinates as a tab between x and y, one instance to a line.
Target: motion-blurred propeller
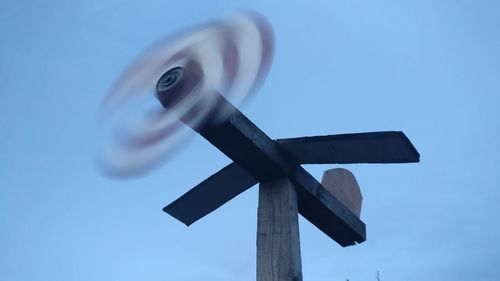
231	57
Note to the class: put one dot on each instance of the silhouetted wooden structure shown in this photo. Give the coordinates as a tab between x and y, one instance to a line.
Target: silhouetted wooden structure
285	187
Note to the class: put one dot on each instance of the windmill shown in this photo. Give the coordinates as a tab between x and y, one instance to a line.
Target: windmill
198	77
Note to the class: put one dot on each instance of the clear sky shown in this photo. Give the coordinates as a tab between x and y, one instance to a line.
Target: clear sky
428	68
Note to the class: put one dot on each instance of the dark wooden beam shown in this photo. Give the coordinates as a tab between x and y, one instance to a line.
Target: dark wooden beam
256	154
210	194
372	147
239	139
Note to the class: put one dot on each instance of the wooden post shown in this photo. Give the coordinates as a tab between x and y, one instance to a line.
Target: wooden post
278	246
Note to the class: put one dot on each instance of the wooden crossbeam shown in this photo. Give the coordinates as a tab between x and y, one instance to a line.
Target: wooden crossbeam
238	138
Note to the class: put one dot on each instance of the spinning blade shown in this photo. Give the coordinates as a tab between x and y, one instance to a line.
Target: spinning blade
231	56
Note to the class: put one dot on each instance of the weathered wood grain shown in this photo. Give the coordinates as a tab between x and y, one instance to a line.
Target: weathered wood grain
278	246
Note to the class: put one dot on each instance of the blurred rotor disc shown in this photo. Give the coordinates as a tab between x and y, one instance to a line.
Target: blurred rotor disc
232	57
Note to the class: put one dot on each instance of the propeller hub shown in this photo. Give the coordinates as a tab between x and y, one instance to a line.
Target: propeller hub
169	78
176	85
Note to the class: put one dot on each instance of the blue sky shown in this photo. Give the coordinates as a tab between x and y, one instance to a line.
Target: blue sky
428	68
